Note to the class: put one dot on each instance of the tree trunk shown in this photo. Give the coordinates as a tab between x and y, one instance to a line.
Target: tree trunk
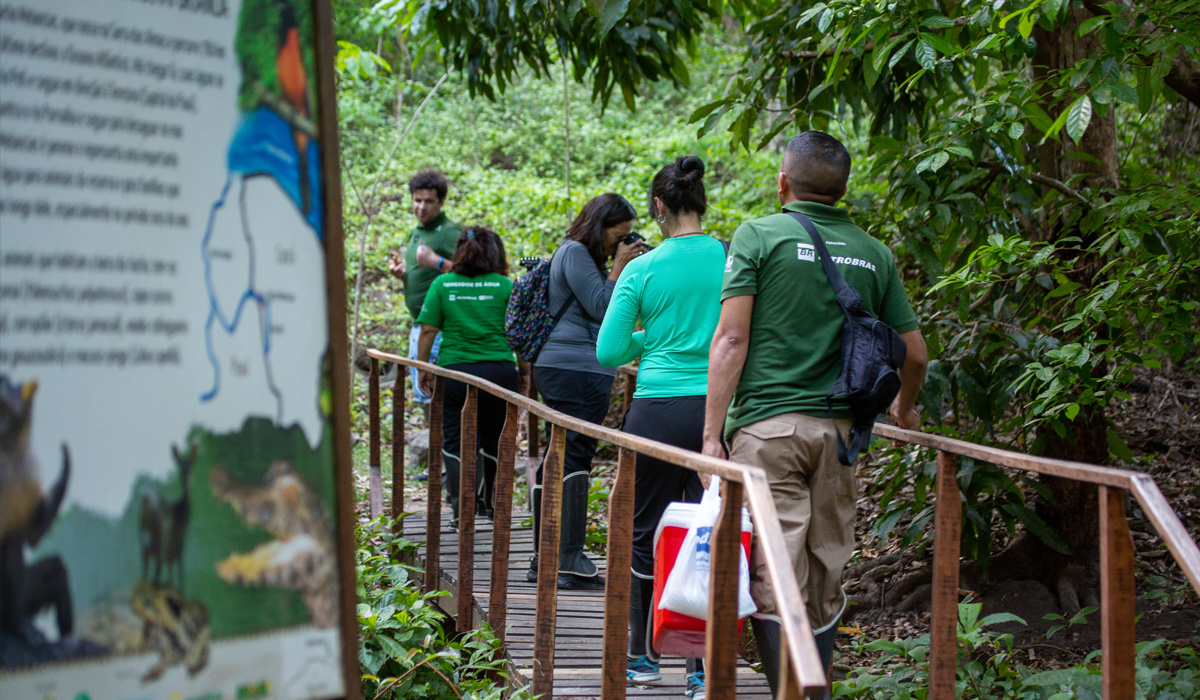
1074	511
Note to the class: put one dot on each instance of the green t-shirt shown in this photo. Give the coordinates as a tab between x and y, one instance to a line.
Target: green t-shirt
441	235
794	355
470	313
676	291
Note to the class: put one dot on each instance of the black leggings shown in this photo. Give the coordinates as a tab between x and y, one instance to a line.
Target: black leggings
677	421
489	423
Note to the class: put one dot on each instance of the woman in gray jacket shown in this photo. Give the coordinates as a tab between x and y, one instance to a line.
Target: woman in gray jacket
567	373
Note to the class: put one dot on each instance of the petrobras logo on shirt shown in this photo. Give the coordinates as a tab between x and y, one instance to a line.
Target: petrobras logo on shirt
729	264
806	252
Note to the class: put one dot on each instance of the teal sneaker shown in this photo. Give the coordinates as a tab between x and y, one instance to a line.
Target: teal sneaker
695	686
642	670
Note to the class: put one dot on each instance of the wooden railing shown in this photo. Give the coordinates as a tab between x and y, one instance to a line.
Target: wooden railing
1117	596
800	668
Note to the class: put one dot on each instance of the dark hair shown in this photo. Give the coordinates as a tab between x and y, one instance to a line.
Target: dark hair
287	22
680	186
817	163
430	180
479	251
604	211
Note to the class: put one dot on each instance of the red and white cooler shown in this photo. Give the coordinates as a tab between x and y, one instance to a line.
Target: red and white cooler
676	634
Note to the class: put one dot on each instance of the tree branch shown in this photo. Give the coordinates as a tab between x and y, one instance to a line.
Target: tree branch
1184	76
1040	179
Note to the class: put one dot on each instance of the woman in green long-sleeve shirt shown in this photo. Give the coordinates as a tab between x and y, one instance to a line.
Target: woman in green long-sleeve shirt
675	291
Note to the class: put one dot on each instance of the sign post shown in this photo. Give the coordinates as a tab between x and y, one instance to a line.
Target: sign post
176	512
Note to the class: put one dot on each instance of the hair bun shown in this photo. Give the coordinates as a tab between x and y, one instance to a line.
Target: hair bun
691	169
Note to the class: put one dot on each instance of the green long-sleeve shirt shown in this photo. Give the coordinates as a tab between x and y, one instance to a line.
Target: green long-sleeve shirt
676	292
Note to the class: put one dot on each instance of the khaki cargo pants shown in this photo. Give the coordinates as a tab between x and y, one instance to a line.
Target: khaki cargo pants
815	496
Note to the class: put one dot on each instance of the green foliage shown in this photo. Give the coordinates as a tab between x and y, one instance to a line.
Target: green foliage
987	671
403	649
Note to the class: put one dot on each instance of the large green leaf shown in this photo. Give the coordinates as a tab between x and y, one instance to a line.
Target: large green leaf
1079	115
611	14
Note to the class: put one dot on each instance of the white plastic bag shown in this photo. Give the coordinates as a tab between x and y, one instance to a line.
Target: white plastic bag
686	590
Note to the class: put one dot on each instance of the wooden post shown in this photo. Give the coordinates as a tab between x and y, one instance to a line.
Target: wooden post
532	427
547	587
433	510
789	686
376	481
399	399
720	666
1117	597
468	453
943	633
630	387
502	524
617	587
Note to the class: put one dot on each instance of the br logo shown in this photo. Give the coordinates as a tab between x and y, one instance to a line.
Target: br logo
805	251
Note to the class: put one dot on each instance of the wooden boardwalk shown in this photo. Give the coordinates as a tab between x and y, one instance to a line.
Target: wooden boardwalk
580	622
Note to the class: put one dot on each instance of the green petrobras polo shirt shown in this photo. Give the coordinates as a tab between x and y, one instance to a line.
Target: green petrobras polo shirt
470	313
441	235
794	355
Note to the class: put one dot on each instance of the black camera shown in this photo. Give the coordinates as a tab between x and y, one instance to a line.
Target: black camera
633	238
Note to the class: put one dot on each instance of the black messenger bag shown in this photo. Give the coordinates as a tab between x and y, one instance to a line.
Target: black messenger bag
872	355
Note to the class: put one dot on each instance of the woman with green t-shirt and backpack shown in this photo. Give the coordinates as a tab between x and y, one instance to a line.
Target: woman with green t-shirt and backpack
467	306
675	291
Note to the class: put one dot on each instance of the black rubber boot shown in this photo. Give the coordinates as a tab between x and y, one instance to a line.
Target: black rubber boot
767	637
450	482
825	641
485	486
641	618
535	497
575	570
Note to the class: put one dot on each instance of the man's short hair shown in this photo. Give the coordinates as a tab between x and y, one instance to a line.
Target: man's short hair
817	163
430	180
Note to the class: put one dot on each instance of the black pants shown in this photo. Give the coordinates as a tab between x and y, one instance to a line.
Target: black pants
579	395
677	421
489	423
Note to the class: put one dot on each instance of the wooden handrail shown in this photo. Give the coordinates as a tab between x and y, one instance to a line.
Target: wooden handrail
800	657
1116	548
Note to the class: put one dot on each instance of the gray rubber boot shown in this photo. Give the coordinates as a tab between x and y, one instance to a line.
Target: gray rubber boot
485	485
825	641
575	570
535	497
767	637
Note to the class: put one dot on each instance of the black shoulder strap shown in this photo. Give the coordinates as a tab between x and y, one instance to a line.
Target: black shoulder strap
847	296
562	310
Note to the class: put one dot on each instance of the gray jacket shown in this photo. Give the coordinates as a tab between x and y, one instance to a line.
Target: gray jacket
572	343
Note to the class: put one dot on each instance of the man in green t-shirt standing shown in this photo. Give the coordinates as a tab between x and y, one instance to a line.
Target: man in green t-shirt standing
774	357
435	236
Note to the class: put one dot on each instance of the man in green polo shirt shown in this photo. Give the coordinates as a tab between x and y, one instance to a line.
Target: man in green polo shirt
775	355
436	232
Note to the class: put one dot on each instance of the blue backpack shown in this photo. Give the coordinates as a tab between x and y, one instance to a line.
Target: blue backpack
528	321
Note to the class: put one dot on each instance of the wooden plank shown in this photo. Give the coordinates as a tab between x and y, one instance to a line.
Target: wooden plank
502	527
617	584
802	650
468	452
433	486
399	396
375	488
339	362
721	637
943	639
1117	597
547	603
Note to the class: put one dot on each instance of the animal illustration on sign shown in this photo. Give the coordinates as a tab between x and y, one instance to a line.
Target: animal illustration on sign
163	525
301	557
